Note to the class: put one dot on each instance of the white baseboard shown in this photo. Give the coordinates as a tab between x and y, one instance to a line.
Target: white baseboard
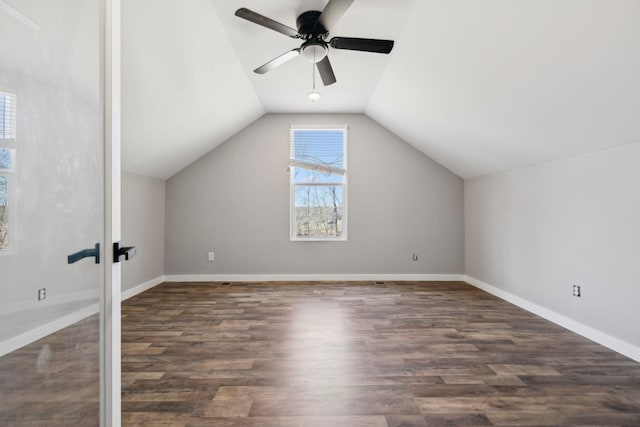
142	287
311	277
49	328
608	341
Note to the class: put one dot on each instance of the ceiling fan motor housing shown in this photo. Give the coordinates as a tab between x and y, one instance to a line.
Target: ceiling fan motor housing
309	25
314	49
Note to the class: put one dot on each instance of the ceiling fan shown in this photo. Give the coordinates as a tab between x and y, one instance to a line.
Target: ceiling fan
313	28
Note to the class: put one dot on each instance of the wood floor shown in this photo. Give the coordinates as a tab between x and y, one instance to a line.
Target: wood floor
361	355
330	355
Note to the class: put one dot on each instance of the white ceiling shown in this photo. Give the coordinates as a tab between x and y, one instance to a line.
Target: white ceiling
479	86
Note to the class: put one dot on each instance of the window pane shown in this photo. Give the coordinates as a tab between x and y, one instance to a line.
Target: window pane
4	213
303	175
318	211
320	146
5	159
7	115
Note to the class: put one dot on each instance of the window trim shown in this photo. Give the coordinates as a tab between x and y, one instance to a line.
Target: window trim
293	237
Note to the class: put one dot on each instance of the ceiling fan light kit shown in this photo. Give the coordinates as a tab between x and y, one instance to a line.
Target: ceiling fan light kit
314	52
313	28
314	95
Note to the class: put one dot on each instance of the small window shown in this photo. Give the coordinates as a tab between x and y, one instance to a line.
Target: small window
6	199
7	171
318	178
7	116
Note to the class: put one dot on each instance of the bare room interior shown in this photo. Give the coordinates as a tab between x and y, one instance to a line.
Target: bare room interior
354	213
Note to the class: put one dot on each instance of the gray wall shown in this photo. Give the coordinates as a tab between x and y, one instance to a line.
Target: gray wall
534	232
143	222
235	202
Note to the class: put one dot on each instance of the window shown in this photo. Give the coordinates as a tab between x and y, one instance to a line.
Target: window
7	171
7	116
6	202
318	177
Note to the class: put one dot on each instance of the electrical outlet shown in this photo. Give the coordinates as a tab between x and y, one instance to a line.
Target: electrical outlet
415	257
576	291
211	257
42	294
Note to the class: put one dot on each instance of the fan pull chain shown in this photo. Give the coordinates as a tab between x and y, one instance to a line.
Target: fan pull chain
313	70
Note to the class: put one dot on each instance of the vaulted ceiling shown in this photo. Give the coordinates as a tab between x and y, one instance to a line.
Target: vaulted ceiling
479	86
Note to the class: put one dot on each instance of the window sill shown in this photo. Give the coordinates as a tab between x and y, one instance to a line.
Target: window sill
318	239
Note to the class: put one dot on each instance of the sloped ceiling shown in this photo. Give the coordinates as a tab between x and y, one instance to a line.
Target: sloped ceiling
183	89
479	86
485	86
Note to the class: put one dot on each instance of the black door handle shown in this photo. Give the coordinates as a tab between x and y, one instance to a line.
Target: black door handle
127	251
85	253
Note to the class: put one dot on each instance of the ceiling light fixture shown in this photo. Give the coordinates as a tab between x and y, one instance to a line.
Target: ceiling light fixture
314	95
314	51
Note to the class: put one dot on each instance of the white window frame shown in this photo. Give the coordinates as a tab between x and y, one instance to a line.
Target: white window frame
324	168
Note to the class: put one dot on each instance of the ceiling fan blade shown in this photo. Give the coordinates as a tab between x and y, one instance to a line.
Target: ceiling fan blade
333	11
277	62
256	18
326	71
364	45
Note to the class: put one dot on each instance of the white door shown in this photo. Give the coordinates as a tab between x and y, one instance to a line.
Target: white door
56	273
